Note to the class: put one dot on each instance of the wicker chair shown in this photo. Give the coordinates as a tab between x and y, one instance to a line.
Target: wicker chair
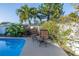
41	37
44	36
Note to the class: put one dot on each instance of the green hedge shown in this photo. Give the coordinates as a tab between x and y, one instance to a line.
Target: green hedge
15	30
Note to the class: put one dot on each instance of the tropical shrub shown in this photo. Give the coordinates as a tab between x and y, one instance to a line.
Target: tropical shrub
67	32
15	30
52	28
54	32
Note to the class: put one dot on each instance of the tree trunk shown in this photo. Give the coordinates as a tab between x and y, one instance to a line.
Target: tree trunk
29	22
35	21
40	21
48	16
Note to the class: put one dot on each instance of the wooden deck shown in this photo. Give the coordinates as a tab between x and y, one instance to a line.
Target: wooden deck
32	48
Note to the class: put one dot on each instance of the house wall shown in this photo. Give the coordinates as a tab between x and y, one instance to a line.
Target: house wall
3	28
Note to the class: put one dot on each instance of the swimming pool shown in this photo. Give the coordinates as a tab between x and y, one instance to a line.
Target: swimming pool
11	46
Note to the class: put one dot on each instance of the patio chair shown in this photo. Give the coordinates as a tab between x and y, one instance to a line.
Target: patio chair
34	33
44	36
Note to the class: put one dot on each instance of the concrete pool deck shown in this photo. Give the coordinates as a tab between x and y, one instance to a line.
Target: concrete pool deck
32	48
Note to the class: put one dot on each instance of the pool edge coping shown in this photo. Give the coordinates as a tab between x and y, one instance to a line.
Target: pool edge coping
15	37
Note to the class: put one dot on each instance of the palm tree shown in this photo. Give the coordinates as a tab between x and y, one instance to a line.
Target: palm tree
74	16
23	13
33	13
68	18
51	10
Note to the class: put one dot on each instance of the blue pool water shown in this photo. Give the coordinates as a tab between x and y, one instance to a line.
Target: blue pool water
11	46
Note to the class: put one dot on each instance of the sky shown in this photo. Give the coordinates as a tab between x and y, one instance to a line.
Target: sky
8	11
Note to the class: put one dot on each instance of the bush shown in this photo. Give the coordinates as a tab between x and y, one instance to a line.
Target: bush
15	30
52	28
67	32
54	32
